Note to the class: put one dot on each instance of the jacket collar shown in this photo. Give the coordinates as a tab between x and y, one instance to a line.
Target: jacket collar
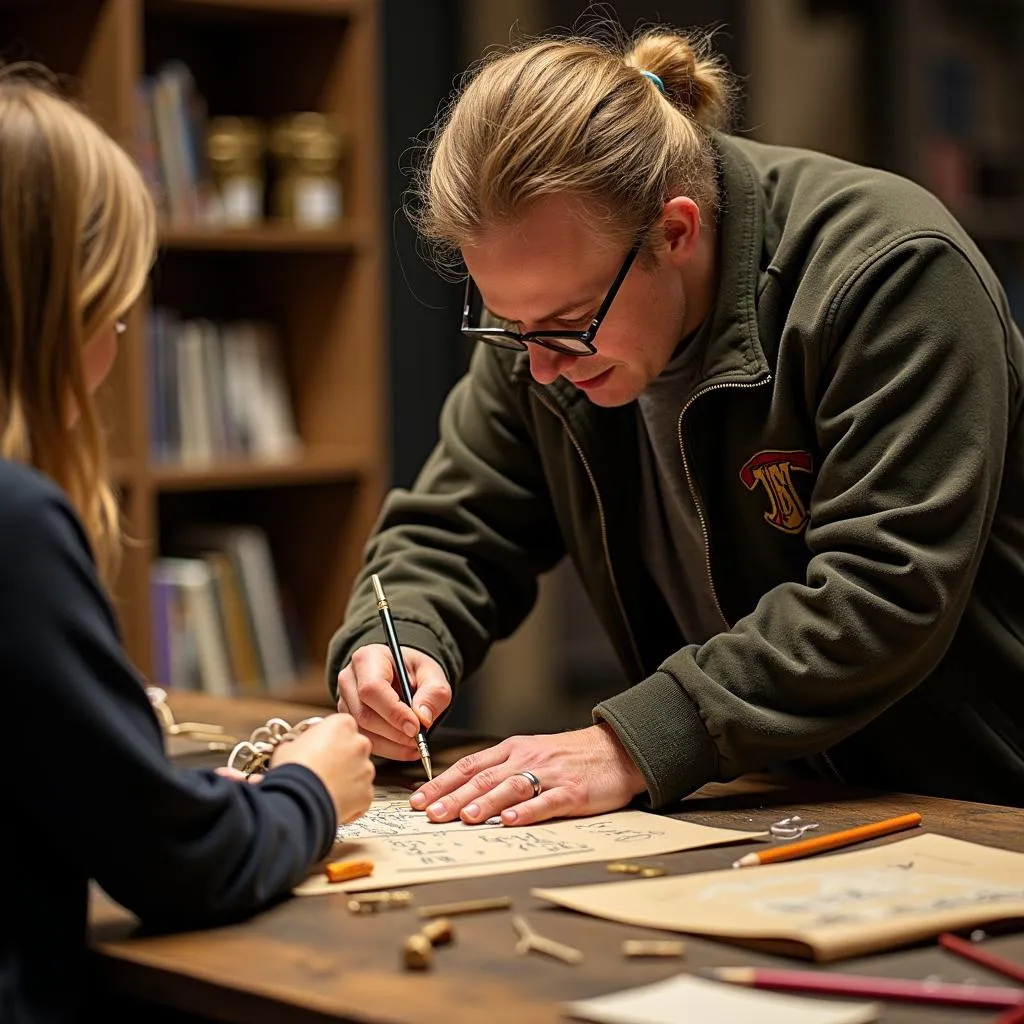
734	350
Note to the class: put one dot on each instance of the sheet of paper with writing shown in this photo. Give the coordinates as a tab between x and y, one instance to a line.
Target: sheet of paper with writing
407	849
662	1003
827	907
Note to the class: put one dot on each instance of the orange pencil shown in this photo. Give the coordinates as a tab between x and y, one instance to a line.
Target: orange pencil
829	842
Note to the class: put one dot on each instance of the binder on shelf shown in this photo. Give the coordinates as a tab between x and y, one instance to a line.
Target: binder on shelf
188	635
249	552
218	391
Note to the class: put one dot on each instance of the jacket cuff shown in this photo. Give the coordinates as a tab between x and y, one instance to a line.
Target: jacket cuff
663	733
410	634
308	789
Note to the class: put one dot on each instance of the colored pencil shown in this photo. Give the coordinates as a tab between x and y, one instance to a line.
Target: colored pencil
877	988
971	951
829	842
1014	1015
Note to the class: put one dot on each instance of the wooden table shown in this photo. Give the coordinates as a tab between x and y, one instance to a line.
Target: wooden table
309	960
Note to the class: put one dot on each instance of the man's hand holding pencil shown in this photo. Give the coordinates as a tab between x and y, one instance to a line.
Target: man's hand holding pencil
368	689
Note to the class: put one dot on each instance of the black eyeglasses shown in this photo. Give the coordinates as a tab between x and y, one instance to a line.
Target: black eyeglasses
573	343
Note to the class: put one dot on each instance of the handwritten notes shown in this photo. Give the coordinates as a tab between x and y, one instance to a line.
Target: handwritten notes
827	907
389	815
661	1003
407	849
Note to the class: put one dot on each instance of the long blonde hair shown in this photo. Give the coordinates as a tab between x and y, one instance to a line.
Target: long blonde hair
574	115
77	238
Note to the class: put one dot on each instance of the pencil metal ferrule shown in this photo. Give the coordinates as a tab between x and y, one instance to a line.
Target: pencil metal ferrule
425	758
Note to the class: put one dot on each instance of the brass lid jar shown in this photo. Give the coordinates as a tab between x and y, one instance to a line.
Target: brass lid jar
234	151
307	148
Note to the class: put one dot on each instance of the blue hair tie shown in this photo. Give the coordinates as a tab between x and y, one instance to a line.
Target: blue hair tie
655	79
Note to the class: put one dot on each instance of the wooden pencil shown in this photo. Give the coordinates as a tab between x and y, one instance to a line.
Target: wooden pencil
832	841
904	989
972	951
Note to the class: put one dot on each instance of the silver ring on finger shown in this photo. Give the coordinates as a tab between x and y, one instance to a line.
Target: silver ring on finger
533	781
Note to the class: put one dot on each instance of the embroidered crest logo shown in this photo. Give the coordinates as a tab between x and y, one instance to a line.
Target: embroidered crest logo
774	472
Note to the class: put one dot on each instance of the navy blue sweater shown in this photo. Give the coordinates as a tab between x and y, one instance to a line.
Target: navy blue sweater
89	792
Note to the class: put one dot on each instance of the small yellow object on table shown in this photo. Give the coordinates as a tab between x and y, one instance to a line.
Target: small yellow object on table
346	870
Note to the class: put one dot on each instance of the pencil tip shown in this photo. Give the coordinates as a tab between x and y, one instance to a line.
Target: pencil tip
737	975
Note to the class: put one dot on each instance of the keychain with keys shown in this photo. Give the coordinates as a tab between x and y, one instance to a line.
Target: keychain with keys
252	756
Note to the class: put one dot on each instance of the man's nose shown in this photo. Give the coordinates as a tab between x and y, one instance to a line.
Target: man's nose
545	365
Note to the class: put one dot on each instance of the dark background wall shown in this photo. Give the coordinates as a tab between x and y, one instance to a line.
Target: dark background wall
421	60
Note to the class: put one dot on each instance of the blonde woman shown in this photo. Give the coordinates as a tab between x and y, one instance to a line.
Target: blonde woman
768	402
90	793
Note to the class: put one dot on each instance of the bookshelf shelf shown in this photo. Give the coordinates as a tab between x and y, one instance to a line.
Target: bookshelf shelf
266	238
301	521
313	467
310	687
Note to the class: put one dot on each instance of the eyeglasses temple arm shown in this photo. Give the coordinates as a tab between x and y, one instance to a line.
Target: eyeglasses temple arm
612	292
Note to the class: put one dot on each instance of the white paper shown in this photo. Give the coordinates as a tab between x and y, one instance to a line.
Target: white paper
407	849
685	998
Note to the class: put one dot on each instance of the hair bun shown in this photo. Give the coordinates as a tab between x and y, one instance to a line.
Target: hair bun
696	81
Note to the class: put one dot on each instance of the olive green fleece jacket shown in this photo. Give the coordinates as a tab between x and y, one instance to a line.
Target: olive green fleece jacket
856	453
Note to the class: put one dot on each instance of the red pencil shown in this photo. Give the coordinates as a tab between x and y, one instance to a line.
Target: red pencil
1014	1015
972	951
876	988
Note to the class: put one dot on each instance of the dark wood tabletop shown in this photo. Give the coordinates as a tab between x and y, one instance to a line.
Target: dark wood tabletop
309	960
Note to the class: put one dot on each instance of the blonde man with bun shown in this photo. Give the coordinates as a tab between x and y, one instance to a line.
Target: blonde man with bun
767	401
90	793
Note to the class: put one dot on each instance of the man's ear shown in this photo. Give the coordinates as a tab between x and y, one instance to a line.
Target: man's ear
680	221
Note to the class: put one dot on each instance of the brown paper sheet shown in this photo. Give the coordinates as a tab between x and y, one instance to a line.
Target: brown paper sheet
826	907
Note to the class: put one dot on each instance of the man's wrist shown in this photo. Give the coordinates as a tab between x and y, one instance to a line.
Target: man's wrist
635	781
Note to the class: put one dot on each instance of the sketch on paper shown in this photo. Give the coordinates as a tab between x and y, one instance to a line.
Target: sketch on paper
842	905
822	898
409	838
407	849
391	815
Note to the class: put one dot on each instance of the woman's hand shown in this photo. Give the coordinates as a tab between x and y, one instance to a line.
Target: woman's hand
582	772
333	750
369	690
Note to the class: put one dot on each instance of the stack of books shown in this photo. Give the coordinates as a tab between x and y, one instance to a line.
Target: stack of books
219	622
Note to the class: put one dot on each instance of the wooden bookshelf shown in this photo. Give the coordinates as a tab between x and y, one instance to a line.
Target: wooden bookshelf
309	467
321	288
269	238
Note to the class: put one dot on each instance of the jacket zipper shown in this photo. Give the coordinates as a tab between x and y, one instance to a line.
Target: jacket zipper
689	477
831	766
604	529
700	514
